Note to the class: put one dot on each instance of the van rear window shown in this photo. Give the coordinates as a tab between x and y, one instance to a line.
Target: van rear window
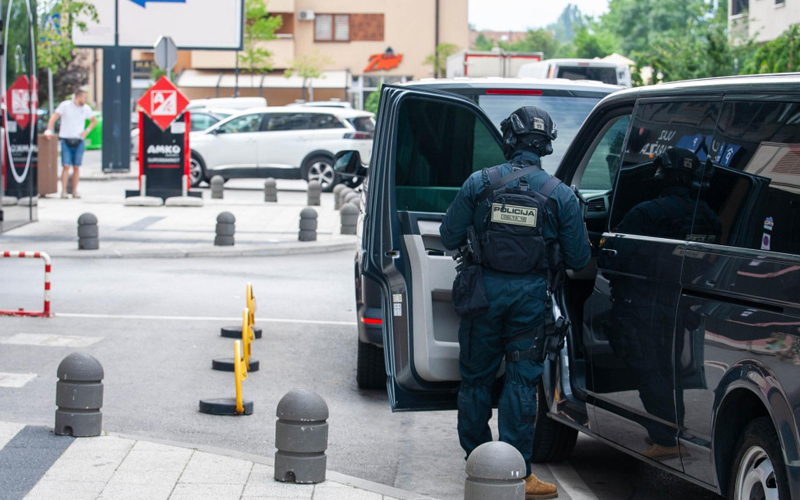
568	113
605	75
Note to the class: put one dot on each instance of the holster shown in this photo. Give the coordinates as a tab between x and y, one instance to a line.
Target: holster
536	351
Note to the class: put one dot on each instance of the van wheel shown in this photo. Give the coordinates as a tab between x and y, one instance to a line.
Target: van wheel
552	441
370	368
759	470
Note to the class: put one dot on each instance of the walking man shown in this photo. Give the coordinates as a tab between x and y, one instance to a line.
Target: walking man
73	114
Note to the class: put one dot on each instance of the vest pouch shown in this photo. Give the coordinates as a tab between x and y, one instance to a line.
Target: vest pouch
469	293
509	253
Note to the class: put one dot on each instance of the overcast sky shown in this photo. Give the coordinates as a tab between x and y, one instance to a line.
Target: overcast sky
518	15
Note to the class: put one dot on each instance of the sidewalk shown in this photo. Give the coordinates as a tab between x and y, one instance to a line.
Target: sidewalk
35	464
173	232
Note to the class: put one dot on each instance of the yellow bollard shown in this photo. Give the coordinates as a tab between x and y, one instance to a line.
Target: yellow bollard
251	305
240	373
247	337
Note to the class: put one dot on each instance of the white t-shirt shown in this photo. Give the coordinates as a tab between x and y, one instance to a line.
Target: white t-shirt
73	119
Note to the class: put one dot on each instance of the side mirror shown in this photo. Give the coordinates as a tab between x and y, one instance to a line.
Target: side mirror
348	164
217	130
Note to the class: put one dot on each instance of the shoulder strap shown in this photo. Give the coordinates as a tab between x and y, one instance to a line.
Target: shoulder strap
487	192
548	187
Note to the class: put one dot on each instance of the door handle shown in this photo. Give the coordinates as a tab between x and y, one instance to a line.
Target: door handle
610	252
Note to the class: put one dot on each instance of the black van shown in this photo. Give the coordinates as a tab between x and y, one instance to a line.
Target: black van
688	332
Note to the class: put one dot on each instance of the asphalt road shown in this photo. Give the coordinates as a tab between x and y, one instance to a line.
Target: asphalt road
158	323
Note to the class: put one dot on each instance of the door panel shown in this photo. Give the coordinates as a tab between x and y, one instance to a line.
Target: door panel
236	145
426	145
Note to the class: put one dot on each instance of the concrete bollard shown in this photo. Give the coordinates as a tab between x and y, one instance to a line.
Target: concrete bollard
79	396
342	195
87	232
495	471
301	437
336	190
226	227
314	193
353	198
217	187
308	225
271	190
349	216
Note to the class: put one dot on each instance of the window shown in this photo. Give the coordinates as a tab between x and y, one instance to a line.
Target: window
603	165
605	75
739	7
438	146
322	121
332	28
363	124
753	182
201	121
780	3
567	112
287	121
366	27
242	124
287	27
660	202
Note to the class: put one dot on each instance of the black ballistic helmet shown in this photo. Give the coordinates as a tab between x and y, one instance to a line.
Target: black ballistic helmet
528	128
680	166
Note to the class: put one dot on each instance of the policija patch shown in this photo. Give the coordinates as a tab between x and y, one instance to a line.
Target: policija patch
512	214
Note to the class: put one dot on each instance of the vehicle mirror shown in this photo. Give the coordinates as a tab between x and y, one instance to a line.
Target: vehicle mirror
348	163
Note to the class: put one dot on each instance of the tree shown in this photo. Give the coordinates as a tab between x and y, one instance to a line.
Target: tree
538	40
439	59
483	43
57	21
590	44
373	100
307	66
259	27
780	55
568	24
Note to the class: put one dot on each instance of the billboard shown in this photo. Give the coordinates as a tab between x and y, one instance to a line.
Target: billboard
192	24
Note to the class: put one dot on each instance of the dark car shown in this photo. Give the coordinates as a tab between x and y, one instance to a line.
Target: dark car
685	327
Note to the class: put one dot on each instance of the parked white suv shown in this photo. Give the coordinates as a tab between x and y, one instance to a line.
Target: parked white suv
280	142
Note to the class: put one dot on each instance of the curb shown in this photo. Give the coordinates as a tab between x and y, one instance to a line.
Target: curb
274	250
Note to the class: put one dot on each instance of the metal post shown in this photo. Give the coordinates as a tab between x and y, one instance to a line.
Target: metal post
116	109
50	89
236	73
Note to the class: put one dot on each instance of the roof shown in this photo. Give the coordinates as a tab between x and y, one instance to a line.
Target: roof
342	112
575	62
513	83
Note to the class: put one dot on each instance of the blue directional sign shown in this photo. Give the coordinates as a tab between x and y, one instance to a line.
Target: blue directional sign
142	3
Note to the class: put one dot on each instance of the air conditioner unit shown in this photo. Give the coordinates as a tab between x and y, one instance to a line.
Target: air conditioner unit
305	15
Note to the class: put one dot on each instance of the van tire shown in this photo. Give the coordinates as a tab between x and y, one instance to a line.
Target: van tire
552	441
759	442
370	367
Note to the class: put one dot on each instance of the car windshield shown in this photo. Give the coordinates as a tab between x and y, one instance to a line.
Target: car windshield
363	124
567	112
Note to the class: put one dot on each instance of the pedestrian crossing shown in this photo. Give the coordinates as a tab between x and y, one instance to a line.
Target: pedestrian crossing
15	380
43	339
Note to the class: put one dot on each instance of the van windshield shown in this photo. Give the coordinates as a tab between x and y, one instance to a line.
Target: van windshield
605	75
567	112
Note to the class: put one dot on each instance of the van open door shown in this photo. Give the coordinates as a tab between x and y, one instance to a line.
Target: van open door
426	145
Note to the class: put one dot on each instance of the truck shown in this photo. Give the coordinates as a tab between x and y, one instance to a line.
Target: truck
477	64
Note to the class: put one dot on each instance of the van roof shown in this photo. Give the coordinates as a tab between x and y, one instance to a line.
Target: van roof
575	62
513	83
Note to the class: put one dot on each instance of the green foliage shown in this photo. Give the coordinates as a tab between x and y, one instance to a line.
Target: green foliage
777	56
373	100
538	40
259	27
307	66
568	24
55	49
590	44
483	43
439	59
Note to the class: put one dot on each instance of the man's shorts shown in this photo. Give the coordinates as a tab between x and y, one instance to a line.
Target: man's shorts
72	156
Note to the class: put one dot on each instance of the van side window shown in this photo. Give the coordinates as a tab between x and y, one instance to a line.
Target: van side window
660	202
438	146
603	165
753	181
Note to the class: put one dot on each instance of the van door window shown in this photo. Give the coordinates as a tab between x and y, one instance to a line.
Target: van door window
603	164
439	145
649	201
753	181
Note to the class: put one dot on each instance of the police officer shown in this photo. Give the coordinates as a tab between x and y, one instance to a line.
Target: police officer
513	326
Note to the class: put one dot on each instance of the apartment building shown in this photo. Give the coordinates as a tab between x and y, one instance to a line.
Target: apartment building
763	19
359	43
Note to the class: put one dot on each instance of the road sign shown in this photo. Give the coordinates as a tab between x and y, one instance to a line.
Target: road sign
166	53
163	102
23	102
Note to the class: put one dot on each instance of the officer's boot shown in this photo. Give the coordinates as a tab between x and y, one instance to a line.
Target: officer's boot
536	489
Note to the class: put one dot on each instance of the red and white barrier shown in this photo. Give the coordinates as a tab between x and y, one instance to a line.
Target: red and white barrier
32	255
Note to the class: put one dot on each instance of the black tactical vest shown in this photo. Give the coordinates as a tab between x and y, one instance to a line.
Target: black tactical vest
513	241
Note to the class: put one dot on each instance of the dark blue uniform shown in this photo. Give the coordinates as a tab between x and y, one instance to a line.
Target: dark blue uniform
516	306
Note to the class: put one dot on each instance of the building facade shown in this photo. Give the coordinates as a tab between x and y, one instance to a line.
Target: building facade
358	44
763	19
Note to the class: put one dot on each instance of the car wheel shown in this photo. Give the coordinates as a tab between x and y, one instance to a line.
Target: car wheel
759	471
320	169
552	441
197	170
370	368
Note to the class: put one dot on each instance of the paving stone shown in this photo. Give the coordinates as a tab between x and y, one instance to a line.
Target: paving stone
167	463
337	491
206	468
65	490
77	469
207	492
262	484
153	489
